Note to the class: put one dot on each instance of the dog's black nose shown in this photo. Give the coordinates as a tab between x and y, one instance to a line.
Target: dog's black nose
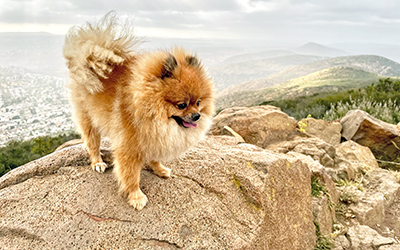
195	116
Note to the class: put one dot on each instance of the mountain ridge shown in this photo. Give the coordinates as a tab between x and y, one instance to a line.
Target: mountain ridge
258	55
331	79
312	48
238	72
372	63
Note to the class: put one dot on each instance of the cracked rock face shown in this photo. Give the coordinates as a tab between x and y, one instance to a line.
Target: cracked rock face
221	196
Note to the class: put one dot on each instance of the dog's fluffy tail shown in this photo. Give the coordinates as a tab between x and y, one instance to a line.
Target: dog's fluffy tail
95	49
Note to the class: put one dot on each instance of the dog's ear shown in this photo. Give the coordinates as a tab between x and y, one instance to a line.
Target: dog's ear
169	66
192	61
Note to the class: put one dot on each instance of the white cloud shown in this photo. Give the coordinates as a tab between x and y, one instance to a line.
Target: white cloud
252	19
58	29
250	6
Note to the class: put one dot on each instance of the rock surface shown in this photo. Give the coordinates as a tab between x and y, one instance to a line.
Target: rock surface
330	132
352	159
261	125
364	238
381	189
381	137
323	214
221	196
314	147
319	171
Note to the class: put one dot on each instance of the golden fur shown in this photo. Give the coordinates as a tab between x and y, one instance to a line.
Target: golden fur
148	104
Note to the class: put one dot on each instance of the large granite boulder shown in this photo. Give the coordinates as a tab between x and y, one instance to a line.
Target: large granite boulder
221	196
259	125
382	138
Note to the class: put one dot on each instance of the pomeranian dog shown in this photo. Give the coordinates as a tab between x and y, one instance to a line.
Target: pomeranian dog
152	106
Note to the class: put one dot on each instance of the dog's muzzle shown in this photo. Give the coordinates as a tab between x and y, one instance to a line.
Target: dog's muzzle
188	121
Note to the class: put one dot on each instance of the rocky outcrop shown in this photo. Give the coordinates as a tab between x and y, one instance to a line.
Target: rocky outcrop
363	193
382	138
221	196
297	188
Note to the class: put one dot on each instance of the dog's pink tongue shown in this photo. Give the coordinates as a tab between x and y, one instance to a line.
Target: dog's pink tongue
189	124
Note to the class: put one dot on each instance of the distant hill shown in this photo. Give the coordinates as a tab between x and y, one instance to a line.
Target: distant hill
257	56
319	50
332	79
235	73
370	63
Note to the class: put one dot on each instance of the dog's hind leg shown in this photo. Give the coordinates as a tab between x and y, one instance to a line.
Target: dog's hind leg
92	139
160	170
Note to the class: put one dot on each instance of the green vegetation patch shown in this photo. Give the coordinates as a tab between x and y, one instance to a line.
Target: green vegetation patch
317	190
18	153
381	100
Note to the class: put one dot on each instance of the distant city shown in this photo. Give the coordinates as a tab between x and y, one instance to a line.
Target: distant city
32	105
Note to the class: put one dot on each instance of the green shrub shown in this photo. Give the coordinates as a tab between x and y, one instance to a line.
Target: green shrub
17	153
316	188
387	110
381	100
323	242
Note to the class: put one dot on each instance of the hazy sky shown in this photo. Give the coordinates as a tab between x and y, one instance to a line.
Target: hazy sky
324	21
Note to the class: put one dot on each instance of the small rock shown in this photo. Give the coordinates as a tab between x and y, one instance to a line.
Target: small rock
365	238
352	158
324	214
381	189
341	243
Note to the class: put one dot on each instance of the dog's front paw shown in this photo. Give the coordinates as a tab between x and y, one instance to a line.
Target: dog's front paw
99	167
137	199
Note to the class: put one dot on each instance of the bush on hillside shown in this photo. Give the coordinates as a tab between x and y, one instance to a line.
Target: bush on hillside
388	111
381	100
17	153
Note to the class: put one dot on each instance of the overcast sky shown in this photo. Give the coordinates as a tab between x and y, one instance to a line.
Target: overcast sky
324	21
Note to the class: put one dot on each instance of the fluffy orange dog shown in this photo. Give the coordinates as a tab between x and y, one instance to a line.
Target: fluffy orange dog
153	106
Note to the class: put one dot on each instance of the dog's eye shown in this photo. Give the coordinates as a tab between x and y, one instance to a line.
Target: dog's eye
198	103
182	106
